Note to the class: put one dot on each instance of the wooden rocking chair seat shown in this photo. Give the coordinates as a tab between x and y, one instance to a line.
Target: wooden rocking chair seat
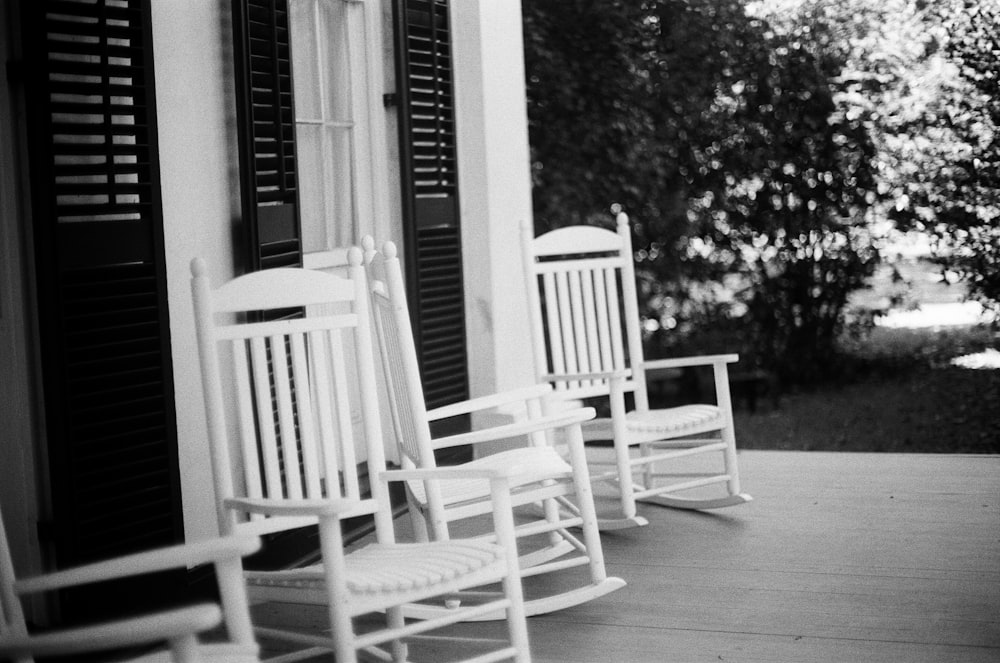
382	569
681	420
532	464
663	424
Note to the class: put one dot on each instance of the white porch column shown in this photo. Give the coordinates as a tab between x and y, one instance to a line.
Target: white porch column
198	170
494	188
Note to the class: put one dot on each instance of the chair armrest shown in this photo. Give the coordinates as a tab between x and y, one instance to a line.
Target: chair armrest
286	507
148	629
489	402
179	556
518	428
681	362
621	374
453	472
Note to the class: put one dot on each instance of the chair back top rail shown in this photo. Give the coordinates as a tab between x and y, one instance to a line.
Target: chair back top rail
277	288
576	239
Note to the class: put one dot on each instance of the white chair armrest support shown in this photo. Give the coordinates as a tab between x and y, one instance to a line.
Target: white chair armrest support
517	429
681	362
148	629
180	556
489	402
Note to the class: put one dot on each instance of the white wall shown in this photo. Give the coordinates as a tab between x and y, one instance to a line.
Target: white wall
494	188
199	167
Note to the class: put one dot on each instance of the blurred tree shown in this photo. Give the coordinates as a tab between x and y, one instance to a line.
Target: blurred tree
589	118
748	184
969	223
926	76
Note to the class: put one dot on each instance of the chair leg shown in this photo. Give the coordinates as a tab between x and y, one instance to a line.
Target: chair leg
585	502
503	523
398	648
728	434
418	519
517	625
552	515
185	648
732	466
335	571
622	456
667	494
626	490
647	468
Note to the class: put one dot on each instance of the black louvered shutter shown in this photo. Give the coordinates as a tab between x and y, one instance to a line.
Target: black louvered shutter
101	285
266	119
430	197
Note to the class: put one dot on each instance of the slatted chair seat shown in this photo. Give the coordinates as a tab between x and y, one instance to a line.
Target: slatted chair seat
530	465
680	420
381	569
538	475
298	403
587	343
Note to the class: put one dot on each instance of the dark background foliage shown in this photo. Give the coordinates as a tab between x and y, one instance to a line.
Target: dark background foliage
757	149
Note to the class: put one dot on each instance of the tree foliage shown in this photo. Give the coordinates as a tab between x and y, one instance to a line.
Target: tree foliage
971	227
748	183
926	75
763	147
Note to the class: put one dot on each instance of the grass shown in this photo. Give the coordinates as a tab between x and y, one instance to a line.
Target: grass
904	395
896	388
901	392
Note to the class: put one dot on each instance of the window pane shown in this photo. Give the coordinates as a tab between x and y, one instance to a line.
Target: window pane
336	37
342	207
308	137
330	79
305	58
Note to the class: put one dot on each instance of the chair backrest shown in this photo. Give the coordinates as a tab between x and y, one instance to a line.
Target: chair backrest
290	391
583	307
399	358
411	428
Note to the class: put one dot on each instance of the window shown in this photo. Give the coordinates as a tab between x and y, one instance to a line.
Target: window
313	152
309	85
336	77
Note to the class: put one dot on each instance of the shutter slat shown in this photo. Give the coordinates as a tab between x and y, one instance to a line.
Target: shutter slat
101	276
267	131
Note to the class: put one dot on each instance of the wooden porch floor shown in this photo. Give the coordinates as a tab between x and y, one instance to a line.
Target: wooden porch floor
840	557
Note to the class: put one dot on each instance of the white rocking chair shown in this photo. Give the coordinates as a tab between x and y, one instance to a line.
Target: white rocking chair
587	343
176	628
539	474
298	400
